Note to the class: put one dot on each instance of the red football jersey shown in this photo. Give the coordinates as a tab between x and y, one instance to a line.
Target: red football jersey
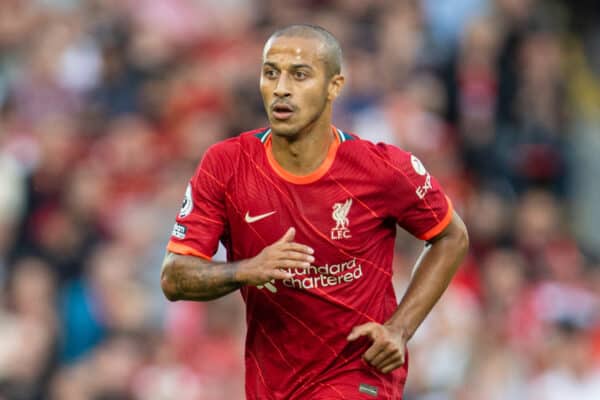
347	211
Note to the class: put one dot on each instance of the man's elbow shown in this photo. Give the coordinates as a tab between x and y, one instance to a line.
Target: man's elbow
167	280
464	241
457	236
461	237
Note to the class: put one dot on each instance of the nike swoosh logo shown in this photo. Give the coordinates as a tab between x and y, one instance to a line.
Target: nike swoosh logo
250	219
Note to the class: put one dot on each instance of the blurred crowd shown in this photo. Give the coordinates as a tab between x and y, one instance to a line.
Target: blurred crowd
106	106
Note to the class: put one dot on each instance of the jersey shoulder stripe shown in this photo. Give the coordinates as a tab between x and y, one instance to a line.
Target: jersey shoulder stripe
345	136
263	135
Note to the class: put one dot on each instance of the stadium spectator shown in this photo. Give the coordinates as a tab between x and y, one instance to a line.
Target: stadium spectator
506	92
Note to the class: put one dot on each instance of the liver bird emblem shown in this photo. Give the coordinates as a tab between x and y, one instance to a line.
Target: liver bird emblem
340	214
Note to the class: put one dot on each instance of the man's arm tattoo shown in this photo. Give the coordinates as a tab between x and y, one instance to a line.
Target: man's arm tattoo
192	278
205	282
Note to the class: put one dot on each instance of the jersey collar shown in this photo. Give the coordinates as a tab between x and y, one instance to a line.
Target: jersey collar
313	176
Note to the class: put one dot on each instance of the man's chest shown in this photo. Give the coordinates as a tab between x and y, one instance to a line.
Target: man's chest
332	213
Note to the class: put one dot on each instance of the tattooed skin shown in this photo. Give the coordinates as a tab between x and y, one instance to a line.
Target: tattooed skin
194	279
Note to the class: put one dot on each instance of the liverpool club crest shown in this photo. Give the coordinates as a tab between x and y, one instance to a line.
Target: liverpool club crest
340	216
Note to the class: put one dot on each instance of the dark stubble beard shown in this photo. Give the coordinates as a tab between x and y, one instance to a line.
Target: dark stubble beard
293	136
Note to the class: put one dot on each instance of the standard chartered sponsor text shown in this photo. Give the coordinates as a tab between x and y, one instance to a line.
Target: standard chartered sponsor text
324	275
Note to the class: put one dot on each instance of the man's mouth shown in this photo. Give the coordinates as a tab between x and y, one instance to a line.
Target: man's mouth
282	111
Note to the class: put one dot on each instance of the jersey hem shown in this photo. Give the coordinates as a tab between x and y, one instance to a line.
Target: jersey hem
441	225
184	250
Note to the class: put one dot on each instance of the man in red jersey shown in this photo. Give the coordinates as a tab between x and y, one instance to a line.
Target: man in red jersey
308	215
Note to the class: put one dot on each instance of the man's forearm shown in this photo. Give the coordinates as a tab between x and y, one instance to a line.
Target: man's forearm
433	273
192	278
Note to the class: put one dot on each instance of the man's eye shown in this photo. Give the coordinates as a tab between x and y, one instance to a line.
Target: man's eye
270	73
300	75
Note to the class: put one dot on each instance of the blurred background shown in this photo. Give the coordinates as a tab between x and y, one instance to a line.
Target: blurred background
106	107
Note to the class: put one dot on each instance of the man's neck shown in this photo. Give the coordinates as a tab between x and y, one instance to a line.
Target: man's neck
305	152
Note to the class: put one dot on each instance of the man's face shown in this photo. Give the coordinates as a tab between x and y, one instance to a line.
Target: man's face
294	84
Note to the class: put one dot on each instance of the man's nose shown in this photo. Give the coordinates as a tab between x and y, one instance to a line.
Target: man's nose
282	89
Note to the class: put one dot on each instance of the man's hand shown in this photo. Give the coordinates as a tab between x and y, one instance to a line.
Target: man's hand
388	349
272	260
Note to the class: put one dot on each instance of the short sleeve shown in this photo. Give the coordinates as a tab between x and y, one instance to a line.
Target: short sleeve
417	203
201	220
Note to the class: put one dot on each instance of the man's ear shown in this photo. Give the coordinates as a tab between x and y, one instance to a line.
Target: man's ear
335	86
